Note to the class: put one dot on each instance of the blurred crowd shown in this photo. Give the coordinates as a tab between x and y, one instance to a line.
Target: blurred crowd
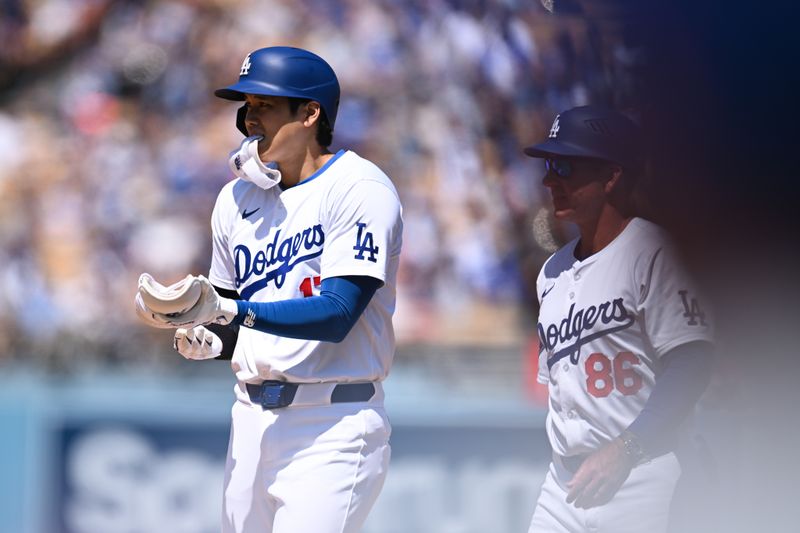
113	148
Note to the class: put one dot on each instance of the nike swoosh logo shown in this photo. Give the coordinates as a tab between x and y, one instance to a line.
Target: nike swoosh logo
248	214
547	291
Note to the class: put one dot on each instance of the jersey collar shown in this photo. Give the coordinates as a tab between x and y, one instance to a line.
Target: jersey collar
323	168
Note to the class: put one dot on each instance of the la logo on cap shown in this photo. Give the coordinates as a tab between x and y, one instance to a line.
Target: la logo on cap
554	128
245	66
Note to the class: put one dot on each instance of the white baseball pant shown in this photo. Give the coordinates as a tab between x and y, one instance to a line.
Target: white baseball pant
315	467
640	506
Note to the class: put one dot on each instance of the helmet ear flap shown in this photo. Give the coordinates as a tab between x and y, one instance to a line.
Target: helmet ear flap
241	115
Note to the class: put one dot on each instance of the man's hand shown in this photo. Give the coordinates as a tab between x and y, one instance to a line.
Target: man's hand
209	308
600	476
197	343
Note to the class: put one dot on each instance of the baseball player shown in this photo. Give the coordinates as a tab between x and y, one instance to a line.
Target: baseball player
625	339
300	294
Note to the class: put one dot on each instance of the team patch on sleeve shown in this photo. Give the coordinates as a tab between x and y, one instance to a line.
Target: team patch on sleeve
691	310
365	244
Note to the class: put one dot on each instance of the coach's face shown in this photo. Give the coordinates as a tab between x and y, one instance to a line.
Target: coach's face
579	187
285	133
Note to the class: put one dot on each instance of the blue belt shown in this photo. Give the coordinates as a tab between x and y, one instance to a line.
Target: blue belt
275	394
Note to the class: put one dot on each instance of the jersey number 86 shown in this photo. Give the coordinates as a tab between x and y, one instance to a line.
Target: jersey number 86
603	375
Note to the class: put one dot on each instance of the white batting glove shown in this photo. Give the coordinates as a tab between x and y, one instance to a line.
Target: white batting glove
188	303
148	316
153	297
246	164
197	343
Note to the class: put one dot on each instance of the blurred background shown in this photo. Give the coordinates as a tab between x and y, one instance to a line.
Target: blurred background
112	151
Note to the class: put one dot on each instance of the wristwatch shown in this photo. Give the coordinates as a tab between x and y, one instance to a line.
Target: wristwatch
633	447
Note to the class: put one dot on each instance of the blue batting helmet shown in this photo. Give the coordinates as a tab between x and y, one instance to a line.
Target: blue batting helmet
286	71
592	131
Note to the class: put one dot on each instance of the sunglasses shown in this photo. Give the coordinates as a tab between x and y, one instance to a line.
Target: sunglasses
561	167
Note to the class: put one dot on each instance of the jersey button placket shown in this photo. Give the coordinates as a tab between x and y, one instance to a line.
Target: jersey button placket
571	288
575	277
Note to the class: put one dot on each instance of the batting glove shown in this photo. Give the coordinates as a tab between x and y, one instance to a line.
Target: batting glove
197	343
148	316
153	297
247	165
191	302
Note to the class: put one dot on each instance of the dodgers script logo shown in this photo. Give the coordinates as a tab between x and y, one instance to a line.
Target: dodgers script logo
286	253
569	332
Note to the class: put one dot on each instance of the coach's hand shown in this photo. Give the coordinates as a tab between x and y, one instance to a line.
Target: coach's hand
197	343
600	476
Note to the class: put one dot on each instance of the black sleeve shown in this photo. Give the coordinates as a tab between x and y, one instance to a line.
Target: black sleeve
229	334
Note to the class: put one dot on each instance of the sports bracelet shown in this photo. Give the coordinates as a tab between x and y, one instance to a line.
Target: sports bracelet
633	448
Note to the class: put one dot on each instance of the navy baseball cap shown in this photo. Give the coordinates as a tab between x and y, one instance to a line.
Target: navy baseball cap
592	131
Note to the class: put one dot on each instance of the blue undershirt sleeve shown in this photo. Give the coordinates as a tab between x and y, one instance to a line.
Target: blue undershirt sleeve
327	317
687	371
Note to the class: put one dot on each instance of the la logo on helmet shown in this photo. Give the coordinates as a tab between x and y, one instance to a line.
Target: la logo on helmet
245	66
553	129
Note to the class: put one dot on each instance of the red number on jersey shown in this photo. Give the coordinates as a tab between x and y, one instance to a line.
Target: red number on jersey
598	370
627	379
600	380
306	288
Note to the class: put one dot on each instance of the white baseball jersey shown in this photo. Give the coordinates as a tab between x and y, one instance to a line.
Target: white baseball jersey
272	245
603	325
